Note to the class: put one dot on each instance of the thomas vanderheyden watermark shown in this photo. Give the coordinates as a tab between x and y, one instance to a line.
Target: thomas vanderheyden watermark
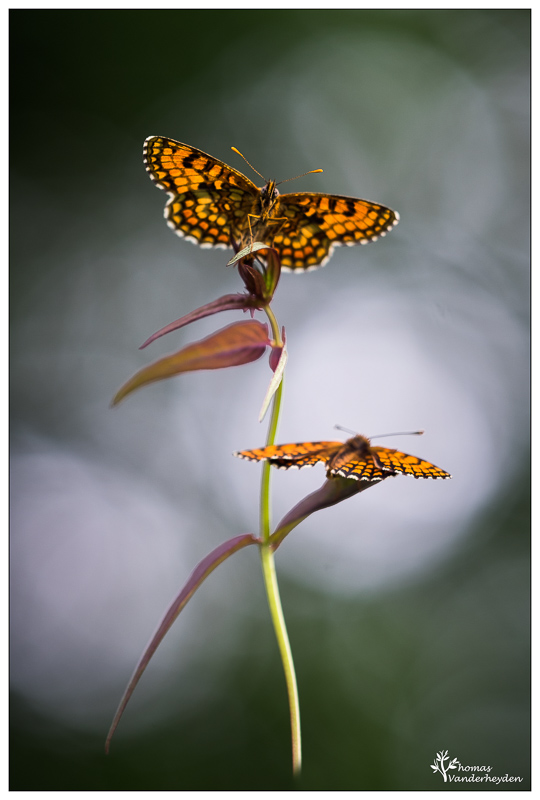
476	774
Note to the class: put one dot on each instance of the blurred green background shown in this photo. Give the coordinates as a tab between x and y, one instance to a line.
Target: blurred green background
408	613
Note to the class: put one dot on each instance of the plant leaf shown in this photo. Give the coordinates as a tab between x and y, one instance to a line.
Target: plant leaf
272	272
275	354
254	281
246	251
239	343
201	571
228	302
334	490
276	379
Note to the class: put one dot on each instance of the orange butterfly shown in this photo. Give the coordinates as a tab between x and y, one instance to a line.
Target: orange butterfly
356	458
214	205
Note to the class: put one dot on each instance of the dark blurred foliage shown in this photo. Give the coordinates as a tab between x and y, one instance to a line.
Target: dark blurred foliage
438	660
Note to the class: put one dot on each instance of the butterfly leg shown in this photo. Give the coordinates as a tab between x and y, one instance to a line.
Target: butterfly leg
255	216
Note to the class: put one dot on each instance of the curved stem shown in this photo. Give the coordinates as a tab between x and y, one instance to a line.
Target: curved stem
270	578
273	324
274	601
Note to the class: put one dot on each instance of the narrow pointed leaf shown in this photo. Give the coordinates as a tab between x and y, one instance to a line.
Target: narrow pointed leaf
239	343
228	302
277	377
247	251
333	490
201	571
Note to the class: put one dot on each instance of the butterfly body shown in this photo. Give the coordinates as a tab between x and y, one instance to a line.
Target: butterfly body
214	205
356	458
267	201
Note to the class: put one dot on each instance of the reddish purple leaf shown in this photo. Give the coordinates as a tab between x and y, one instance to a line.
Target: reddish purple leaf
333	490
229	302
239	343
201	571
275	353
261	284
254	281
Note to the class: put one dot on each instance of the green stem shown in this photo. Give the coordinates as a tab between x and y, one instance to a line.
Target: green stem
274	601
270	578
273	324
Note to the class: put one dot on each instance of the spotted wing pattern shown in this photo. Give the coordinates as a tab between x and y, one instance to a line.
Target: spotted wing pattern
355	458
395	461
208	201
364	468
316	223
284	456
214	205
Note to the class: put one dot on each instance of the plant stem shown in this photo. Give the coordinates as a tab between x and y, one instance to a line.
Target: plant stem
274	601
270	578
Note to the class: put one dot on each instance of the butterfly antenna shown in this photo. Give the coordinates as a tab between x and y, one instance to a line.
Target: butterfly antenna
381	435
247	162
345	430
399	433
310	172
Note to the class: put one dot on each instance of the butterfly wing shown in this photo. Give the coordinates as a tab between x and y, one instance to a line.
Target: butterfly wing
315	223
395	461
283	456
208	200
361	469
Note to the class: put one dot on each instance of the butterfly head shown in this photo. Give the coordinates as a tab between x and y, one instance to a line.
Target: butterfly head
267	200
269	193
357	443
